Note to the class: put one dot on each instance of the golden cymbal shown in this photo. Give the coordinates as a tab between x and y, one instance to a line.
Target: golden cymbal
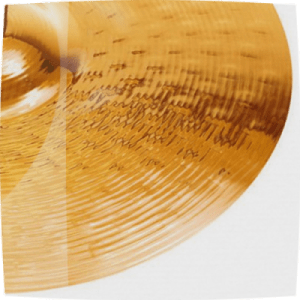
128	126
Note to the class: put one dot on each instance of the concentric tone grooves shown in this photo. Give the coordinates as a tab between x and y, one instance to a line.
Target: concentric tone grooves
170	111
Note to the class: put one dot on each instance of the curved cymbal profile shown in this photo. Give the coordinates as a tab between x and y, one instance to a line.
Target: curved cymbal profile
128	126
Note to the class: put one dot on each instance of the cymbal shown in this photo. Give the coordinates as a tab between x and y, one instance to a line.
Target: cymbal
128	126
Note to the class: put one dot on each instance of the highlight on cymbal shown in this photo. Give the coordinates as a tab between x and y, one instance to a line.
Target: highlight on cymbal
128	126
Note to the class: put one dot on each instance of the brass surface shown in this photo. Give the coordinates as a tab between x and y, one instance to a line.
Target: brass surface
128	126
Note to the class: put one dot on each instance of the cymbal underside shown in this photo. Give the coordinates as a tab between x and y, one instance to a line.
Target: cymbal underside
128	126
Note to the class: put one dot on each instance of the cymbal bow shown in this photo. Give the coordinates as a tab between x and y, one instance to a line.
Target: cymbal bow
128	126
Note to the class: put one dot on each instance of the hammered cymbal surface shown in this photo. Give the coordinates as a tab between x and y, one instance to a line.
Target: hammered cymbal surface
128	126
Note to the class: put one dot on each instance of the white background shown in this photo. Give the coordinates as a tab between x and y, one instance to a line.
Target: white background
249	251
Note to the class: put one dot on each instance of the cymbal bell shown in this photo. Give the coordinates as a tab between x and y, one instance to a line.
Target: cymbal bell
128	126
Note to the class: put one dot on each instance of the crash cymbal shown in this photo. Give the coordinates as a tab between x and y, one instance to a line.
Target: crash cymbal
128	126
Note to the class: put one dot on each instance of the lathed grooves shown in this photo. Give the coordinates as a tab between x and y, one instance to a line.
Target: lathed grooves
170	112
